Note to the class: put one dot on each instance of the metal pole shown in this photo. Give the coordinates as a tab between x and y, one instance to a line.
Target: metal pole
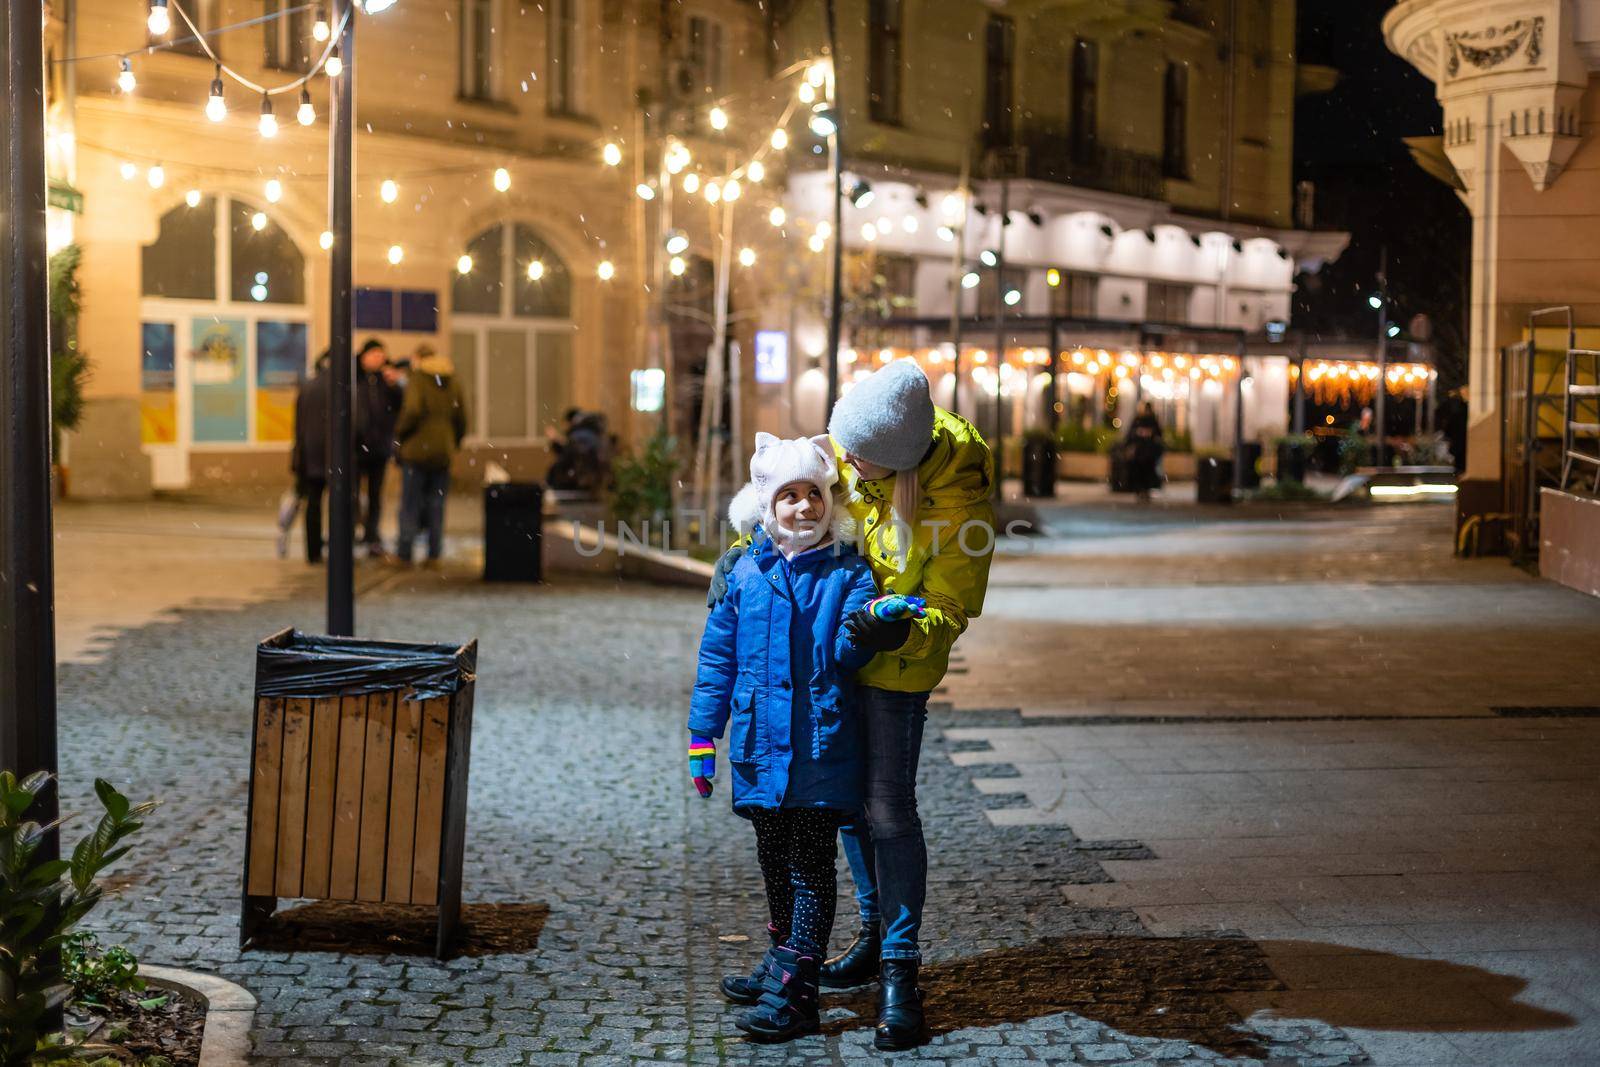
1238	421
836	151
341	372
998	444
27	571
1052	390
958	254
1300	389
1380	406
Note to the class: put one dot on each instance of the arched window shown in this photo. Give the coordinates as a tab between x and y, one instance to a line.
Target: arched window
512	338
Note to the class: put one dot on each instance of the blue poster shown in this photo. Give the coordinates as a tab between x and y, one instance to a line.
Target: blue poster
221	389
772	357
280	354
158	363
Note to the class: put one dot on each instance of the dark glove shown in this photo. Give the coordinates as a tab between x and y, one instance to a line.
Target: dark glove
872	634
719	576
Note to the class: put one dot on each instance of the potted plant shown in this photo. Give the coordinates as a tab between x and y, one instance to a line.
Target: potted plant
69	367
1294	456
1083	451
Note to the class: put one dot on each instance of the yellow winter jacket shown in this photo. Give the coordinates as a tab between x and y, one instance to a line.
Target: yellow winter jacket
951	547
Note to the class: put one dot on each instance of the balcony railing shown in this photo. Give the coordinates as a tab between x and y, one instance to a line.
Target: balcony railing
1051	158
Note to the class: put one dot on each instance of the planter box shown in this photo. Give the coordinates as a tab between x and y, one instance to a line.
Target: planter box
1084	466
358	775
1179	466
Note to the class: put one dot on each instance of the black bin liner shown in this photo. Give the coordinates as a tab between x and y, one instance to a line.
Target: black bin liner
295	664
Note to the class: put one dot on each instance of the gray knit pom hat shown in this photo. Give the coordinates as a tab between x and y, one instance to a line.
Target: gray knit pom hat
887	417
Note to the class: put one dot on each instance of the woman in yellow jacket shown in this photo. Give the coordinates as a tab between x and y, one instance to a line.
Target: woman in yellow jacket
918	481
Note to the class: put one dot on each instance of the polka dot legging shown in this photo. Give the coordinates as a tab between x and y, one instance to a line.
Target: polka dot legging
796	847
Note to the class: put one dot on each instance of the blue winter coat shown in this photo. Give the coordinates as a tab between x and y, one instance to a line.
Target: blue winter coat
776	658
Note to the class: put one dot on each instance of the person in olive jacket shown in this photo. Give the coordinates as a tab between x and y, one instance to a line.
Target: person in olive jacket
432	422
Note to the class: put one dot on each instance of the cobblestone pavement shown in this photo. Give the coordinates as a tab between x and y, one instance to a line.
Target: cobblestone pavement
636	889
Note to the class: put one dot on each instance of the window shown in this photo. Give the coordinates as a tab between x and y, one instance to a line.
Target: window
1085	99
1000	45
562	48
182	263
405	310
705	58
286	34
1167	303
1175	122
883	61
477	49
550	295
1016	280
264	265
1075	296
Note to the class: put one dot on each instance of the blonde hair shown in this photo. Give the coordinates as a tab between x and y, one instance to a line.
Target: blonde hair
903	513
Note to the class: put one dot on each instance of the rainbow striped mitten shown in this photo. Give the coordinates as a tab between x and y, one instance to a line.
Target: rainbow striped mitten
702	763
893	607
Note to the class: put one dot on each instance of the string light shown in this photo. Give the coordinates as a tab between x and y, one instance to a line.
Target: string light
464	265
334	66
824	230
677	266
535	270
156	176
326	240
192	198
606	270
677	243
307	114
396	254
128	172
125	79
909	224
160	20
274	191
502	179
780	139
817	242
747	257
388	191
719	119
946	234
1013	297
1052	278
611	154
713	192
677	157
817	73
691	183
970	280
258	221
319	28
645	190
988	257
824	121
808	93
216	106
732	190
777	216
869	232
269	121
756	170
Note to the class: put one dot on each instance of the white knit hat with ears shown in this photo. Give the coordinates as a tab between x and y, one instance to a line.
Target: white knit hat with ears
775	464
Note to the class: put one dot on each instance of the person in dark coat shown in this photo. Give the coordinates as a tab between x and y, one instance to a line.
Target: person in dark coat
1144	447
378	397
582	461
308	459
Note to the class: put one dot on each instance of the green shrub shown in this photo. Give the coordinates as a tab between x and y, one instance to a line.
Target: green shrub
97	977
641	486
1179	441
1072	437
69	367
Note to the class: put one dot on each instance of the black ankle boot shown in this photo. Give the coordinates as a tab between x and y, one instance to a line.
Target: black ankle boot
788	1005
740	989
856	965
900	1021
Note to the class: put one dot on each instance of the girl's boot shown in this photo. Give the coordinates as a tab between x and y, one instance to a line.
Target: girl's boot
788	1005
856	965
742	989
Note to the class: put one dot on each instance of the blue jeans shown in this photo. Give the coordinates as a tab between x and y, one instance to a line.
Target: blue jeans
422	493
888	858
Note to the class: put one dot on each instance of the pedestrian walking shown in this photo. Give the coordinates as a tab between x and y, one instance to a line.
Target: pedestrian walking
800	615
308	459
431	424
1142	450
378	397
917	480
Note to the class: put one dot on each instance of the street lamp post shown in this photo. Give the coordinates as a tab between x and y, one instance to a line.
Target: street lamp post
836	150
1379	406
341	369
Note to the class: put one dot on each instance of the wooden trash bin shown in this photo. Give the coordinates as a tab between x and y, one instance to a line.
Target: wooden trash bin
358	775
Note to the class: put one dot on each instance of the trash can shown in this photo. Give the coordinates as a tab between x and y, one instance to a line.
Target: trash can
1213	480
1039	468
513	516
358	775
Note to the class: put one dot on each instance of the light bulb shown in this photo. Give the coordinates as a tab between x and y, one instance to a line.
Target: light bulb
909	224
780	138
645	190
334	66
824	230
713	192
125	79
535	271
128	172
269	121
216	106
606	270
319	28
970	280
988	257
946	233
326	240
677	244
156	176
808	93
502	179
691	183
611	154
274	190
824	121
777	216
396	254
817	73
817	242
677	266
747	257
732	190
1013	297
756	170
389	191
869	232
306	114
258	221
718	118
192	198
372	7
160	21
464	265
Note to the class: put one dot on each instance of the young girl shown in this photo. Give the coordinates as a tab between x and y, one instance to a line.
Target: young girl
801	616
